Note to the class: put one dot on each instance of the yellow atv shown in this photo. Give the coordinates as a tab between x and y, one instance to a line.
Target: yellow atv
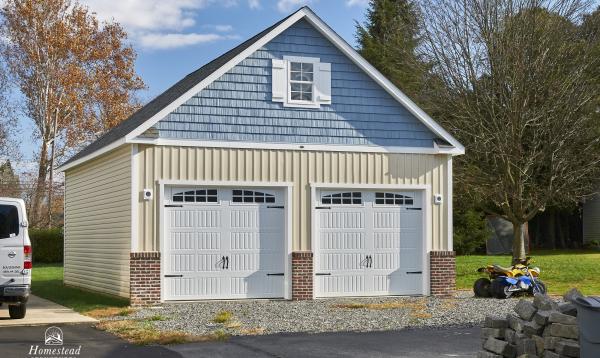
500	282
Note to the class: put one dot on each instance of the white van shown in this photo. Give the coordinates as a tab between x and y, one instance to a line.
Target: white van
15	257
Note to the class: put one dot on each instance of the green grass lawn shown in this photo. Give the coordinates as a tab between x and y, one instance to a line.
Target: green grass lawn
561	269
47	282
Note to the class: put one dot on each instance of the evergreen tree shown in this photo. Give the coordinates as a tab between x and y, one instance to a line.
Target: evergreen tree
10	185
389	40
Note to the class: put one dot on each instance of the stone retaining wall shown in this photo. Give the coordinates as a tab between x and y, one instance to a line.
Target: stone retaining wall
542	328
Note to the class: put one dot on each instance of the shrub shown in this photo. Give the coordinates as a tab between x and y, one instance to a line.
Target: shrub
223	317
470	231
47	245
593	244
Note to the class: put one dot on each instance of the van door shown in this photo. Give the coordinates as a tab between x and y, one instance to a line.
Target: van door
11	244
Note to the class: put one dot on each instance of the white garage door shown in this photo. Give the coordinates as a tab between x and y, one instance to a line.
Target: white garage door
369	243
224	243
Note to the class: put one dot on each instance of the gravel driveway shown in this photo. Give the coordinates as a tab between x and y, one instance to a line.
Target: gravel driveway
250	317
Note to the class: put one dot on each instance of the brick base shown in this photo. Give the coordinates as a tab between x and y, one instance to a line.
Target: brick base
302	275
144	278
442	265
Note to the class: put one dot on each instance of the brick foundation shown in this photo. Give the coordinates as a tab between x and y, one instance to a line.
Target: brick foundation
302	275
144	278
442	266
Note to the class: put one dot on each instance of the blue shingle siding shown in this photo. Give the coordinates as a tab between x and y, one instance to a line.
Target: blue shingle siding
238	106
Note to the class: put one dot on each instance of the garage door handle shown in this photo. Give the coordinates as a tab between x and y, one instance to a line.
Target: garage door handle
414	272
323	274
173	275
275	274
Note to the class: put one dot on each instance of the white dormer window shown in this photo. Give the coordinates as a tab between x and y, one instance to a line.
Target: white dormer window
301	82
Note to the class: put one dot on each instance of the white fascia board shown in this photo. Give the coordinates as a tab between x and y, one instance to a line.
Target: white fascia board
299	146
92	155
343	46
215	75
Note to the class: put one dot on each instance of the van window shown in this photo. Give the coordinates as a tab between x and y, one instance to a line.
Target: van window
9	221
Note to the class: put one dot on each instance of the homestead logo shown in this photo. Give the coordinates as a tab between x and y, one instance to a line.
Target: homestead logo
54	336
53	346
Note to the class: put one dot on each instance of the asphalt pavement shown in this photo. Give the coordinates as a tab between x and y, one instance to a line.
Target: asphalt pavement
430	343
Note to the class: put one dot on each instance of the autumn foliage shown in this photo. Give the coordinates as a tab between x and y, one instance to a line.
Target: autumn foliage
76	74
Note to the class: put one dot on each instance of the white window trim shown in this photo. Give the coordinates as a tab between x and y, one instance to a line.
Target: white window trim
289	102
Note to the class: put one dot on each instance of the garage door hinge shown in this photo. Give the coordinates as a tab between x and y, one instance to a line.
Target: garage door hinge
323	207
414	272
173	275
276	274
413	208
323	274
173	206
275	207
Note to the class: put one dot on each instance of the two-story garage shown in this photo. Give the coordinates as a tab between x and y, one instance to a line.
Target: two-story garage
289	167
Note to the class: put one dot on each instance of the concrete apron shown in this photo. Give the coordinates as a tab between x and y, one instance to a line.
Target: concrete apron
41	312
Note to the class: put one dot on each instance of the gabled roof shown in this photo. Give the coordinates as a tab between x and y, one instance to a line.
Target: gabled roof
194	82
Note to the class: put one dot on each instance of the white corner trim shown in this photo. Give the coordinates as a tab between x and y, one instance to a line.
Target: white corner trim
290	146
92	155
135	193
449	198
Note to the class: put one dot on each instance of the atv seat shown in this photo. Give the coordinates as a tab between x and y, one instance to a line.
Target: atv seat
502	269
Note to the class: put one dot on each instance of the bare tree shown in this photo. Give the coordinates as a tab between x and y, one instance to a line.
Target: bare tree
518	92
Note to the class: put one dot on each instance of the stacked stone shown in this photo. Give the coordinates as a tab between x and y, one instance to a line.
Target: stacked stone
542	328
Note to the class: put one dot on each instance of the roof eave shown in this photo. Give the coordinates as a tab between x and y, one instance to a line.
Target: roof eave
326	31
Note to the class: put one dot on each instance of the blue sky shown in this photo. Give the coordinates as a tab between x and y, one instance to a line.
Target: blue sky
175	37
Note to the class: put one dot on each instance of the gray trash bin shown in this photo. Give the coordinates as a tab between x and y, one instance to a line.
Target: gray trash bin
588	319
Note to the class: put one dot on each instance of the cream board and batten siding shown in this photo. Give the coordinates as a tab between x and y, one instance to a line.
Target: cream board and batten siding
98	223
300	167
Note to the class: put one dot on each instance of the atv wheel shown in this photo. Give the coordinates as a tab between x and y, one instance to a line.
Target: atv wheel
499	289
541	288
481	287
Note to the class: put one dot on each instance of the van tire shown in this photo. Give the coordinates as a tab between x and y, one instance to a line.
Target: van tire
17	311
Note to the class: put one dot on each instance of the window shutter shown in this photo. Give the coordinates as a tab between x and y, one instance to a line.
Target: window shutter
279	79
323	83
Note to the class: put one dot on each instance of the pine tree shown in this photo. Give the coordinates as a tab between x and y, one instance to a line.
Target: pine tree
389	40
10	185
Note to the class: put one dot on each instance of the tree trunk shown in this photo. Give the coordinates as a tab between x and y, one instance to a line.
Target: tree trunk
552	229
518	250
51	186
538	233
51	180
40	187
562	229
